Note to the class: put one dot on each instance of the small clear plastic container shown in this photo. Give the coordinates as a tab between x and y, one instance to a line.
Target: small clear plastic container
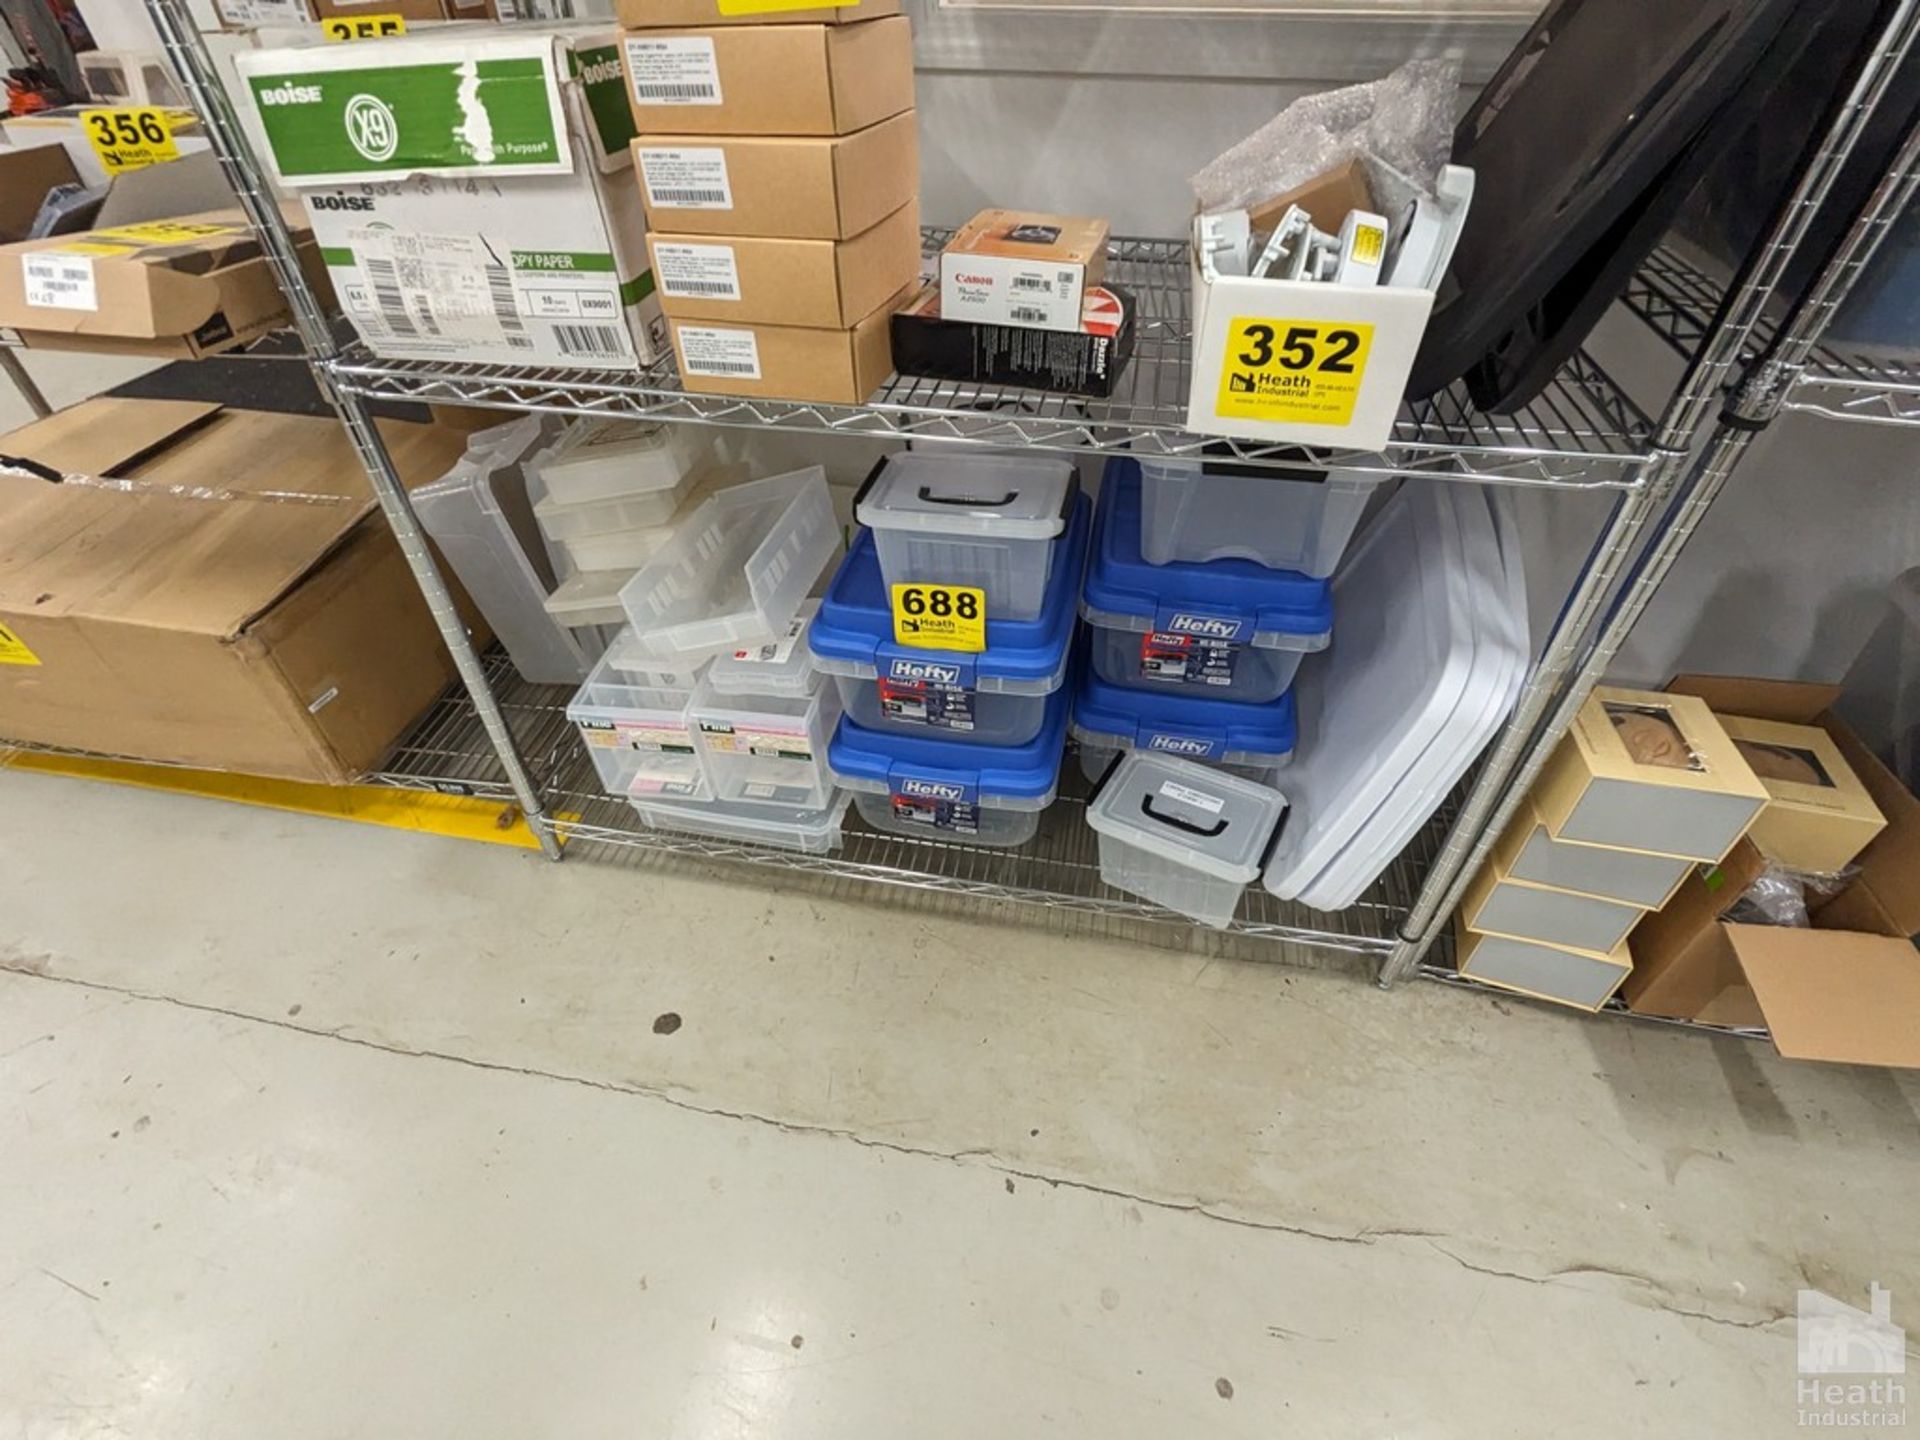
589	597
1183	835
768	749
735	571
991	521
602	459
563	520
1196	511
623	550
811	832
783	667
637	730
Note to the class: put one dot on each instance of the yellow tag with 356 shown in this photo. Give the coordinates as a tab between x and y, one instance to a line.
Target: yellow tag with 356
940	617
130	139
363	27
1302	372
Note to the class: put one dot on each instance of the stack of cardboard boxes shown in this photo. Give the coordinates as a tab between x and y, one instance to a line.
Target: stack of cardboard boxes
779	167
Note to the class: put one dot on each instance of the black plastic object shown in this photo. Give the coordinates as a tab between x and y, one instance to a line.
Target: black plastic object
1583	147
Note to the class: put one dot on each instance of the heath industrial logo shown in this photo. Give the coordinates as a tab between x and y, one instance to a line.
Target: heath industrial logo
1838	1339
372	128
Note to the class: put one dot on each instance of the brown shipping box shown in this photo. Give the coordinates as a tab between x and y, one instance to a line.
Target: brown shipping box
785	186
679	14
227	599
787	362
1846	990
829	284
769	79
25	178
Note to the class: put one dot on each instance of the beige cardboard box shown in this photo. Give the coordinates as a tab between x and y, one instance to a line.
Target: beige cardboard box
1017	267
1846	990
769	79
828	284
192	613
1819	816
25	178
787	362
1647	770
1528	851
1497	904
784	186
681	14
1584	979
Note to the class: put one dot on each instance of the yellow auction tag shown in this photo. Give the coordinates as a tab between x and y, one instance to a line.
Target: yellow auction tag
364	27
14	651
130	139
763	7
1304	372
940	617
166	232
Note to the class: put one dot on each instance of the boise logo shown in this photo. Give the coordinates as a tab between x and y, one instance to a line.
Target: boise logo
1207	625
1180	745
290	95
924	670
340	202
600	72
932	790
372	128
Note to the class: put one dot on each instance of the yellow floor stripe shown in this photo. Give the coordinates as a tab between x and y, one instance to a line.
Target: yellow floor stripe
457	816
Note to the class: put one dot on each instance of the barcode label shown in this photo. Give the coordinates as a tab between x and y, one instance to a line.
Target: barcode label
723	354
596	340
1029	314
699	272
692	178
1033	282
387	298
500	288
726	367
59	282
673	70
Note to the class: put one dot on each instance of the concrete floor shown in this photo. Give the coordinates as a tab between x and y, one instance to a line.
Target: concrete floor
315	1130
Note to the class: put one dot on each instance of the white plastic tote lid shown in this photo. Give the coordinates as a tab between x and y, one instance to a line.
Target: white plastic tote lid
1015	497
1204	819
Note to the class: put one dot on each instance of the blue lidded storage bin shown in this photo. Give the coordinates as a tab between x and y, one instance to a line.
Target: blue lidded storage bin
1251	740
995	697
920	786
1227	628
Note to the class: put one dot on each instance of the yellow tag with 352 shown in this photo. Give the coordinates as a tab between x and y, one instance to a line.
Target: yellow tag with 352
940	617
1303	372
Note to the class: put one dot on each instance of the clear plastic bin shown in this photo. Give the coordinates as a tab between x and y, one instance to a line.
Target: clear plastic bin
1251	741
1127	650
573	521
990	521
623	550
811	832
769	749
589	597
735	571
1183	835
997	824
636	729
783	667
1284	519
604	458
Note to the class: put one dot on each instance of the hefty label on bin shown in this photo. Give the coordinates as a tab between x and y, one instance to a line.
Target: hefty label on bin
1188	745
938	694
1219	628
936	804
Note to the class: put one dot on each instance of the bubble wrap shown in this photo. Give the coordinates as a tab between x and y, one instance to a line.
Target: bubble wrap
1405	119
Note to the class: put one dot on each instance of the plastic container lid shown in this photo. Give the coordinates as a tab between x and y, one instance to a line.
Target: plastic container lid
853	634
1007	497
1018	777
782	667
1206	820
1228	600
1185	723
589	597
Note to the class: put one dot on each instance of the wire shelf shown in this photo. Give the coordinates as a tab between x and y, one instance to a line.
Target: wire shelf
1615	1009
448	751
1582	432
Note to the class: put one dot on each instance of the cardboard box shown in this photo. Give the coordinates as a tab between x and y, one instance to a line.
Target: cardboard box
1013	267
1086	361
1497	904
1598	791
787	362
682	14
1328	199
1818	814
829	284
523	246
783	186
408	10
25	178
231	602
1528	851
769	79
1584	979
1846	990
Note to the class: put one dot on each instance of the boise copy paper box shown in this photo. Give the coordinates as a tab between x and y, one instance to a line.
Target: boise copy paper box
1818	816
786	362
785	186
473	195
1012	267
769	79
1527	851
680	14
829	284
1584	979
1651	771
1083	361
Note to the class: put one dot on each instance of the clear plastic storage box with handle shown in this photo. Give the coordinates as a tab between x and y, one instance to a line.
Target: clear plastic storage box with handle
988	521
1183	835
1243	739
769	749
1284	519
637	730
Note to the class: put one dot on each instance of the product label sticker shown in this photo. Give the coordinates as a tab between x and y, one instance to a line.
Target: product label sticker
244	13
686	177
673	70
726	354
778	652
936	805
938	694
621	735
1191	747
1187	795
1369	243
768	7
696	272
59	282
758	740
130	139
362	27
1302	372
1187	659
14	650
940	617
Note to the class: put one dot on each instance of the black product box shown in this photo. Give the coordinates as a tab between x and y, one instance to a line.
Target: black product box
1087	361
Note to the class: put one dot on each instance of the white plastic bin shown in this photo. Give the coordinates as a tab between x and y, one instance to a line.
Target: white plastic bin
605	458
768	749
735	571
811	832
990	521
1183	835
636	728
1284	519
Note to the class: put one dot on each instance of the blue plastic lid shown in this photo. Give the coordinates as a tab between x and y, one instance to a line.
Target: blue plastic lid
855	622
963	772
1220	599
1185	723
